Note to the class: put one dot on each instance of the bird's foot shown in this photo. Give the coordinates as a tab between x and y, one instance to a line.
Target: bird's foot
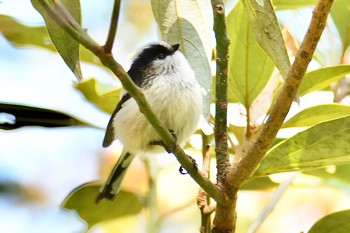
161	143
194	163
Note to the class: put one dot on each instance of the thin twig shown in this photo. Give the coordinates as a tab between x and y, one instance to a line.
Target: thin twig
108	61
277	195
203	200
112	27
255	153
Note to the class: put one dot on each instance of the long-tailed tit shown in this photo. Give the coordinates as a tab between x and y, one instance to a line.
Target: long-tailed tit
171	88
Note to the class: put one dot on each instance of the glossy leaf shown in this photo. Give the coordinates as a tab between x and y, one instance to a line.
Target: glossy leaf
189	23
267	33
289	5
66	46
322	78
249	67
101	95
82	200
21	35
321	145
333	223
317	114
341	16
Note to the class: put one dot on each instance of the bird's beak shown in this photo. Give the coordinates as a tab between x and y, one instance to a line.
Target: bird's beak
175	46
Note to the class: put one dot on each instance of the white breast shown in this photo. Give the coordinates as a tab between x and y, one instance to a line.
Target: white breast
176	100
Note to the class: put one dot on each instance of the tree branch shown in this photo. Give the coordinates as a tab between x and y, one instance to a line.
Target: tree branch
225	215
107	60
250	161
222	43
112	27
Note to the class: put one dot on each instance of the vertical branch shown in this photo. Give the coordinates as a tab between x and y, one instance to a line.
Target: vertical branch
112	27
222	43
225	215
250	161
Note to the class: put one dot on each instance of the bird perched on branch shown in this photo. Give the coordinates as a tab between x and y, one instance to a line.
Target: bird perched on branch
169	84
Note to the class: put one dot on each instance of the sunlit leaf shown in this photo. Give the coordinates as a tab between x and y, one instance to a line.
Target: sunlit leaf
259	183
189	23
341	16
317	114
249	67
124	224
101	95
20	35
321	145
238	131
66	46
267	33
333	223
322	78
294	4
82	199
337	176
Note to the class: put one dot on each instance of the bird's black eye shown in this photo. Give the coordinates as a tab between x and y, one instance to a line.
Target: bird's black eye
161	56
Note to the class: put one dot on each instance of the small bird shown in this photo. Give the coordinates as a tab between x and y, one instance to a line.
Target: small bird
169	84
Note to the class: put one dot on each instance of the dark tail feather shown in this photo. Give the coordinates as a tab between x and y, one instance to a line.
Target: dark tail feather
112	186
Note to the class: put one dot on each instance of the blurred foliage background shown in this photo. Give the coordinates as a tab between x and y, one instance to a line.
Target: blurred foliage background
51	133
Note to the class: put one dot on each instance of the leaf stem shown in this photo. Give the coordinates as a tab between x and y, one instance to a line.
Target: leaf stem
255	153
113	27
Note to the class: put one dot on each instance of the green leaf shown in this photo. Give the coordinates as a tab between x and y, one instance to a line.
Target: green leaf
66	46
333	223
101	95
238	131
341	16
317	114
82	199
322	78
249	67
189	23
259	184
294	4
21	35
337	176
267	33
321	145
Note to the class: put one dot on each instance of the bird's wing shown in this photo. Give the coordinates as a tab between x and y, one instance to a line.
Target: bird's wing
109	136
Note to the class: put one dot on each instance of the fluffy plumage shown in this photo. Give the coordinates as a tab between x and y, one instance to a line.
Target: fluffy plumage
171	89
